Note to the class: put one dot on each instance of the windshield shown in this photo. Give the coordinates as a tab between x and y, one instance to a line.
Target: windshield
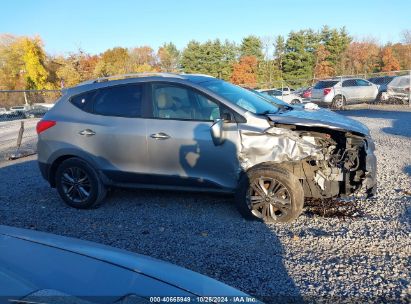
243	98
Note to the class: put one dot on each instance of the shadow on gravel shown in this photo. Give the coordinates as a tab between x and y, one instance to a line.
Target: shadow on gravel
333	208
201	232
407	169
401	120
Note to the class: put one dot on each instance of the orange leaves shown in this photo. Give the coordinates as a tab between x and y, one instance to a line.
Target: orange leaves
389	62
245	71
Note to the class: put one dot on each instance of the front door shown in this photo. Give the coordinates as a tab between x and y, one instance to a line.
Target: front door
180	147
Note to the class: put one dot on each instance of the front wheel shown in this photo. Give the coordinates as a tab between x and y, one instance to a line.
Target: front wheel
78	184
270	194
338	102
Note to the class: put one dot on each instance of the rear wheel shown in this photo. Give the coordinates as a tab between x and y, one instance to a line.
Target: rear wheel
338	102
273	195
78	184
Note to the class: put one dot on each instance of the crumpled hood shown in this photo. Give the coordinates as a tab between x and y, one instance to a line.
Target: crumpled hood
319	118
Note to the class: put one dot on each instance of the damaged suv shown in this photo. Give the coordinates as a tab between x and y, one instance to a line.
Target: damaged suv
199	133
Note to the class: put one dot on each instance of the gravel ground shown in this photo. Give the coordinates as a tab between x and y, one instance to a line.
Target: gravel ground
359	257
9	131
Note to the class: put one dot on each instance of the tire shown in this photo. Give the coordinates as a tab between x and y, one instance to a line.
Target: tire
378	99
79	184
295	101
338	102
284	186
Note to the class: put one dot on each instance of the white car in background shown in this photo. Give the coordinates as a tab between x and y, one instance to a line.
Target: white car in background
336	93
285	95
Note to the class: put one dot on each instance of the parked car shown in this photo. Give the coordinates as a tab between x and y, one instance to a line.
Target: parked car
22	108
306	94
336	93
382	83
38	267
286	96
199	133
399	89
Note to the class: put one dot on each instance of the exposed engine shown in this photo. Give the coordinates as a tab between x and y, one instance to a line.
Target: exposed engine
340	171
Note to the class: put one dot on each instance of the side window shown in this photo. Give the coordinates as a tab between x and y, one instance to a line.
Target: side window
177	102
123	100
84	101
362	83
349	83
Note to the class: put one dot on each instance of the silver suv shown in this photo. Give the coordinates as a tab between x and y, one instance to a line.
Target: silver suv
336	93
198	133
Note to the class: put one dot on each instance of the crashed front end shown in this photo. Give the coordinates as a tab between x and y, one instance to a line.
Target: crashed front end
329	162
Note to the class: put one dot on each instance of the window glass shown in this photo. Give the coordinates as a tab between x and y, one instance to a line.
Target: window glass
241	97
362	83
176	102
84	100
325	84
124	101
349	83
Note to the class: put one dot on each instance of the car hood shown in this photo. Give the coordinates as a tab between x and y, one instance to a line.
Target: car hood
32	260
319	118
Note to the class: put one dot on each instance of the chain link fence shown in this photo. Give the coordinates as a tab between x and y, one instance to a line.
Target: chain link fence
21	110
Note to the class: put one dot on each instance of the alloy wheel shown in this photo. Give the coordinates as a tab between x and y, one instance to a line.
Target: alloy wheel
268	198
76	184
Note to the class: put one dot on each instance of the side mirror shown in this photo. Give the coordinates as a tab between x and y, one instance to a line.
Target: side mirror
217	132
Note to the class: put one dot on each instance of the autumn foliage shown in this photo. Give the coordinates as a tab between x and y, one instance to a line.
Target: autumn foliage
245	71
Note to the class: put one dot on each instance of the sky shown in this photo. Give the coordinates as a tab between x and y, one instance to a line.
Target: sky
94	26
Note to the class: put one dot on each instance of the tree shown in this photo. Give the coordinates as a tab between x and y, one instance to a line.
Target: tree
212	57
245	71
252	46
389	62
168	57
299	58
323	67
361	57
279	51
113	61
335	42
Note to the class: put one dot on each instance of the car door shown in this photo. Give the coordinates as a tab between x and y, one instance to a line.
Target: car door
367	91
113	133
180	147
350	90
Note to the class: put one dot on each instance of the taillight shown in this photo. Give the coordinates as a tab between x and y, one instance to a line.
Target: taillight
43	125
326	91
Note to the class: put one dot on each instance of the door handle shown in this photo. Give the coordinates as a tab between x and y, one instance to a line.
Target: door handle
160	135
87	132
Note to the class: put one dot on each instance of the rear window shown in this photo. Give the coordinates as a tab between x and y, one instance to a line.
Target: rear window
325	84
84	101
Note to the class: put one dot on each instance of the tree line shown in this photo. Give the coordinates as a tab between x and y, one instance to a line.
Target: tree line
256	61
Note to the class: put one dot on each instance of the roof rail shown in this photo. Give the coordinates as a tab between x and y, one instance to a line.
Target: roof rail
131	75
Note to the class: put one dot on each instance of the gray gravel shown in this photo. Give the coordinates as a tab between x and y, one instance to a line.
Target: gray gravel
360	257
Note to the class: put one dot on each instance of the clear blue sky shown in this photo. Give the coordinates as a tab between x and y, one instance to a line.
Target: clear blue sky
66	25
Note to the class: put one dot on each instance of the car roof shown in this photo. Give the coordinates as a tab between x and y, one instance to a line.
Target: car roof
196	78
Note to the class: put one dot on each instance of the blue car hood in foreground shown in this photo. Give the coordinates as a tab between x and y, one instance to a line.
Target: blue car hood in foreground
31	261
319	118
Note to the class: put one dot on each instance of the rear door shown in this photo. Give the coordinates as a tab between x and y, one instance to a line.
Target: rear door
181	151
113	133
